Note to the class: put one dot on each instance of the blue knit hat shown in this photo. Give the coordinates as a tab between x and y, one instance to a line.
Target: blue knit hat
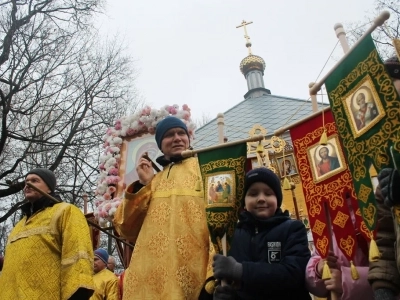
167	124
48	177
268	177
102	254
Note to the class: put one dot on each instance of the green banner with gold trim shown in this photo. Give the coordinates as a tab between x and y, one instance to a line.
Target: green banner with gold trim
365	106
223	173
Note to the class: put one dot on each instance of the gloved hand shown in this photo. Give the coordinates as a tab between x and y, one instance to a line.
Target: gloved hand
381	294
389	180
224	293
227	268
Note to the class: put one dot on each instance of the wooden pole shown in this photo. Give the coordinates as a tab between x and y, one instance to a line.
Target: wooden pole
334	295
341	35
89	222
190	153
377	22
296	209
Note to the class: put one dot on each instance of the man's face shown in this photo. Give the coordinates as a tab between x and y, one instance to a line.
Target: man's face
111	264
98	265
30	194
174	142
323	152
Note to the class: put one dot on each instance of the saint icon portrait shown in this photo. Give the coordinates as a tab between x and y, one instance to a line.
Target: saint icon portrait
326	163
326	160
363	107
365	111
287	165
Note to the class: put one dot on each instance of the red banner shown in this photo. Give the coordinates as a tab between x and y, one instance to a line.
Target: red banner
327	185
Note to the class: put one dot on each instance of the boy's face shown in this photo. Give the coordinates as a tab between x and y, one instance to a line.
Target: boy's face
260	201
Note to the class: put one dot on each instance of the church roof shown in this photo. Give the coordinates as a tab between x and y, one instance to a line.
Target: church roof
270	111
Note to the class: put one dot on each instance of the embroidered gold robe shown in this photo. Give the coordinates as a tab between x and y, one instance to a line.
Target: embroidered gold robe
172	249
48	256
106	286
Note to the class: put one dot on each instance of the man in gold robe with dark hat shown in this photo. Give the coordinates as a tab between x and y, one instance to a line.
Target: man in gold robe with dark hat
164	215
49	252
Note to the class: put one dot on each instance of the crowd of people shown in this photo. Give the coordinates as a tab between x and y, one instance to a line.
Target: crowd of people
49	252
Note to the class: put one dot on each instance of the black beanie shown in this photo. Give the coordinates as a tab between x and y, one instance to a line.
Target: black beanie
167	124
268	177
48	177
393	67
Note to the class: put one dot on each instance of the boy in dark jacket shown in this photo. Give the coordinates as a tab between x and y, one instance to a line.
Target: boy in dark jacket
269	252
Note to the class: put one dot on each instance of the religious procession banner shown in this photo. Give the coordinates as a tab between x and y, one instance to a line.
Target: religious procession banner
365	106
223	172
327	185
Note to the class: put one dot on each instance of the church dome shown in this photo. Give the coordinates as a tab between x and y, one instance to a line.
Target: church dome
252	62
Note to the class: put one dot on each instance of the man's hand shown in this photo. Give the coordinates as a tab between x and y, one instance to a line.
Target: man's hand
224	293
331	260
144	171
227	268
389	180
335	283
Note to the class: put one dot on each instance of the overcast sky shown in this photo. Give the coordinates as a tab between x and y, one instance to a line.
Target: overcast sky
189	51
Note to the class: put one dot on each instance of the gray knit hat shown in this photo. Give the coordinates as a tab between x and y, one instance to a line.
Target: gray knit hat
48	177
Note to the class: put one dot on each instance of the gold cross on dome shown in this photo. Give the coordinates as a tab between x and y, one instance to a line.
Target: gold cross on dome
248	42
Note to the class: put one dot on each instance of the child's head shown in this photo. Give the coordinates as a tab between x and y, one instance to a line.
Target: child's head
262	193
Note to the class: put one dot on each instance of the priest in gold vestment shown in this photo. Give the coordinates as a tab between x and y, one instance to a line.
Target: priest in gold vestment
164	214
49	252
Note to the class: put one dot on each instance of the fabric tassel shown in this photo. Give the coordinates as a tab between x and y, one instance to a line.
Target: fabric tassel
260	148
324	139
373	251
197	186
326	272
354	272
286	184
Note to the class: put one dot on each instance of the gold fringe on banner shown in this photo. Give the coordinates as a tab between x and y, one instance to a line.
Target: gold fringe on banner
354	272
373	250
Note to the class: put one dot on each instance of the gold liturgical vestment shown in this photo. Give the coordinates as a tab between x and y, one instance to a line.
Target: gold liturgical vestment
172	250
48	256
106	286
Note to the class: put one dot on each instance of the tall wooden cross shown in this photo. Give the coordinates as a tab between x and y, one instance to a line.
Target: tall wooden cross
248	43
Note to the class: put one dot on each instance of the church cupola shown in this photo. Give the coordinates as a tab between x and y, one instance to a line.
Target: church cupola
252	67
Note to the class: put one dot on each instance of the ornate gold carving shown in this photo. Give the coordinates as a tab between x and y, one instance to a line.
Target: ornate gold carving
347	245
364	192
322	245
340	219
277	144
369	213
319	227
